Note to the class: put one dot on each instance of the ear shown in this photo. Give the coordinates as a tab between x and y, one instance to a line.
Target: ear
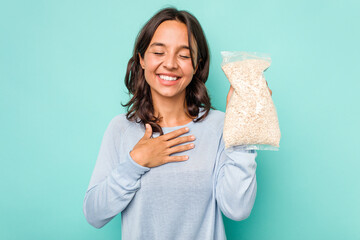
141	61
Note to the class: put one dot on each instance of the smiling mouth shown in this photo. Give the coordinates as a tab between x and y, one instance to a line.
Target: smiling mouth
168	78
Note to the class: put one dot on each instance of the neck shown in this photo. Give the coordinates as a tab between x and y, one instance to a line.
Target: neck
171	110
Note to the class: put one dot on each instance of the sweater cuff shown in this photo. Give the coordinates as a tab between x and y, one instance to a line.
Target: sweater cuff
130	170
137	167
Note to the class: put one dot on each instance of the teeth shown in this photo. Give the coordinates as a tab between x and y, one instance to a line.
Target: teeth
168	78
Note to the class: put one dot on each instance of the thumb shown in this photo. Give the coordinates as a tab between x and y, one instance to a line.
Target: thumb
148	131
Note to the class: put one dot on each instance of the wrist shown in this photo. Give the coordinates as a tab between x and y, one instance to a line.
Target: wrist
137	159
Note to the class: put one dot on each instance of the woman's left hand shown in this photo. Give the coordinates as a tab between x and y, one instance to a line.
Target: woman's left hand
231	90
268	88
229	94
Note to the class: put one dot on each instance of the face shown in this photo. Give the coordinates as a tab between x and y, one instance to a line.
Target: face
167	63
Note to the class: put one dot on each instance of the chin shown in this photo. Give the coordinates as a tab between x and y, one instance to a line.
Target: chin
170	94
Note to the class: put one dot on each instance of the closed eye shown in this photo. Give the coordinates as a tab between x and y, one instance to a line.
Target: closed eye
158	53
184	56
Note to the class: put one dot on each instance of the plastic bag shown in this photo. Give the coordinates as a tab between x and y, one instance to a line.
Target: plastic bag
251	121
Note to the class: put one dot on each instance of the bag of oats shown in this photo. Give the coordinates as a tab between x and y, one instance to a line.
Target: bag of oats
251	121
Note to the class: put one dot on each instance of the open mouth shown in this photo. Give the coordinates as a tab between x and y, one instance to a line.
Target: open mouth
168	78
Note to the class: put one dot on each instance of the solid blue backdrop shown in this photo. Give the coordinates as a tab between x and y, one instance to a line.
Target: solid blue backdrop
62	66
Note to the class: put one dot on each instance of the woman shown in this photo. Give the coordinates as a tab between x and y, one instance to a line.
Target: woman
163	165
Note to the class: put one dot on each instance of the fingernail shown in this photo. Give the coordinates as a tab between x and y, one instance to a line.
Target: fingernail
187	129
192	137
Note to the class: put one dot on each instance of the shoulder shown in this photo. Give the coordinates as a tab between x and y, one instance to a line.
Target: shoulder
215	120
216	115
120	123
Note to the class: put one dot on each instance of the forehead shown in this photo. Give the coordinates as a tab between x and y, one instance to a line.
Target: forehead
170	33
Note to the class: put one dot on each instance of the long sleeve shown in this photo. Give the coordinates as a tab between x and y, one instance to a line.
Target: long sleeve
235	182
115	179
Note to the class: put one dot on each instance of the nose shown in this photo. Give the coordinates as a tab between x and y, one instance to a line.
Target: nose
170	61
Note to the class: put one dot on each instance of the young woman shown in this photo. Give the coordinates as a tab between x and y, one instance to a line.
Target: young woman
163	165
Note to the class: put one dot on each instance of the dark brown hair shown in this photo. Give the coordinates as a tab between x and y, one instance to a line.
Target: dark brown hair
140	107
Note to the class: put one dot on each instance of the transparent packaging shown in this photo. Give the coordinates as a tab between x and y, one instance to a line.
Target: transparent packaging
251	121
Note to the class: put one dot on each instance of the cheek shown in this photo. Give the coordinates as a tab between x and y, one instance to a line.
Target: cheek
151	63
150	68
188	69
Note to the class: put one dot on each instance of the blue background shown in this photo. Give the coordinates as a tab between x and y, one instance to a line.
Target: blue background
62	68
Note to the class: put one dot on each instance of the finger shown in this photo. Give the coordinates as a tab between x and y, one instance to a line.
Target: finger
177	158
178	140
268	88
175	133
181	148
148	131
231	90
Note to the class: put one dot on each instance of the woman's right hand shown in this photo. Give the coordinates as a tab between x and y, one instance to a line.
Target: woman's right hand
153	152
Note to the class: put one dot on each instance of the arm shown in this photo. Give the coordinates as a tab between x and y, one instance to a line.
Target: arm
235	182
114	181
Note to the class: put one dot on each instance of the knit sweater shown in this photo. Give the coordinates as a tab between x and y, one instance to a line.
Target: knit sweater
177	200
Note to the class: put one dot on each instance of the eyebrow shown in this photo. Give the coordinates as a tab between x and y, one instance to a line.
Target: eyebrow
163	45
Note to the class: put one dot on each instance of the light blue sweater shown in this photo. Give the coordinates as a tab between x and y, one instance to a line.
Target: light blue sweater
178	200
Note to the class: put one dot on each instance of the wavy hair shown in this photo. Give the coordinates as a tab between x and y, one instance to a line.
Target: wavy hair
140	107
